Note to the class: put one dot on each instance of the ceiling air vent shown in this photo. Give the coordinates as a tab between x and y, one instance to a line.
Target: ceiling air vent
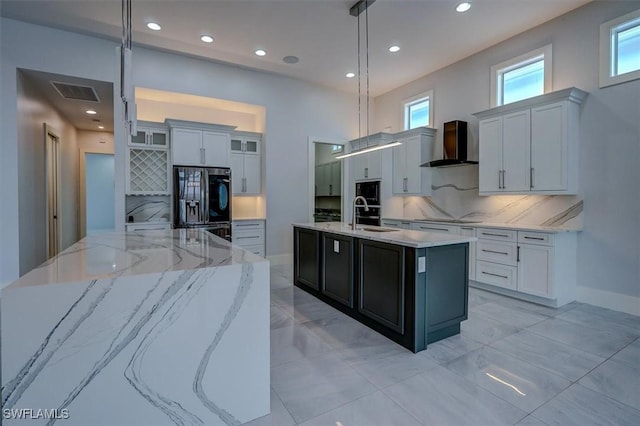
74	91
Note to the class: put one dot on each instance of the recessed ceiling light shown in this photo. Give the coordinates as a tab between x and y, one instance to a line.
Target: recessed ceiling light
463	7
394	49
154	26
261	52
101	127
290	59
206	38
350	75
91	112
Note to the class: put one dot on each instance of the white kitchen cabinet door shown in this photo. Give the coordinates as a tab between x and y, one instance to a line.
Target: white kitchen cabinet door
549	148
335	181
413	159
534	270
374	165
490	155
186	147
359	165
252	175
469	231
399	182
516	140
237	173
216	150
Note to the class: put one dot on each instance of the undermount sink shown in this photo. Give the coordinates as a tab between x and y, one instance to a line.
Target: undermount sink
377	229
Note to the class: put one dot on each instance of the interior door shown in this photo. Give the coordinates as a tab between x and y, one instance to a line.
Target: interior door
53	189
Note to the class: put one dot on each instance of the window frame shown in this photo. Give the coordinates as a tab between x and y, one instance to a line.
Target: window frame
546	52
408	102
606	51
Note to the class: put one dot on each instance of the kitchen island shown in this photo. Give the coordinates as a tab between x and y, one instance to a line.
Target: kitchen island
150	328
410	286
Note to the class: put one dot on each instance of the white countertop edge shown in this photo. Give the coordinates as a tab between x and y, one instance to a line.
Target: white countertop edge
521	227
403	237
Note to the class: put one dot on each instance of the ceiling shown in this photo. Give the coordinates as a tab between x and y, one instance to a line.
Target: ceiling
72	109
321	33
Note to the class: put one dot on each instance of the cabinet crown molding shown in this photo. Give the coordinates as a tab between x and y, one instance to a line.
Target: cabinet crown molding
571	94
200	126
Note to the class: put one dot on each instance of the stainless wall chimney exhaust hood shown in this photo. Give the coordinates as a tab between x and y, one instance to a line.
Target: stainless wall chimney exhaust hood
454	146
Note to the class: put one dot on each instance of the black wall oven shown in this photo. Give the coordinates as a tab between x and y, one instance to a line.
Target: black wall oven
371	192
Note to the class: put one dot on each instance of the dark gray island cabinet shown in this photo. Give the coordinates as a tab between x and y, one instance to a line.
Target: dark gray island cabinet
410	286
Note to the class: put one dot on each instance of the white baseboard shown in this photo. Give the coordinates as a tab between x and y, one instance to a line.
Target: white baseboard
281	259
609	300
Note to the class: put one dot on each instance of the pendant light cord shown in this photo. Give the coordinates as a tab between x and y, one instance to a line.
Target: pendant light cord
359	91
366	16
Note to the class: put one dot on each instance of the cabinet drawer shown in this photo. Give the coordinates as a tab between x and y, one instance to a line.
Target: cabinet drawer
529	237
497	251
255	249
241	225
499	275
246	238
147	227
391	223
435	227
497	234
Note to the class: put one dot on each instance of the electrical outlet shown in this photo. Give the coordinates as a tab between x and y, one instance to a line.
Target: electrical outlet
422	264
336	246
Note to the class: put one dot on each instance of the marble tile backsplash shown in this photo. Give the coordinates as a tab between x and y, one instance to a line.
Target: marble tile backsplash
148	208
455	195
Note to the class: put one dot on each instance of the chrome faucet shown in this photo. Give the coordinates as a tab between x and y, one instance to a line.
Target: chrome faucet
355	206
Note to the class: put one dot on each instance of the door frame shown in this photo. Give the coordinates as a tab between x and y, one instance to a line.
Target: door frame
82	182
55	249
311	179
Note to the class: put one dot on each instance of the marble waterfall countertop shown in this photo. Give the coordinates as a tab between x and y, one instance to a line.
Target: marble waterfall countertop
146	328
403	237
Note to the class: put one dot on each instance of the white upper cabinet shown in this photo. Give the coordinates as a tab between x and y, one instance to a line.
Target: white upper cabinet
531	146
417	148
200	144
148	164
367	166
246	169
150	134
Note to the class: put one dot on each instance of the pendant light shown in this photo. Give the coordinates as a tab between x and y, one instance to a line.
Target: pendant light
356	10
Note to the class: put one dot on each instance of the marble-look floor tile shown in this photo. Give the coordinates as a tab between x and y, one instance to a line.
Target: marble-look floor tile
315	310
279	415
629	354
579	406
516	317
478	297
448	349
279	318
295	342
311	387
353	341
517	382
538	309
551	355
530	420
617	380
374	409
485	330
441	397
387	371
289	298
278	281
604	319
593	340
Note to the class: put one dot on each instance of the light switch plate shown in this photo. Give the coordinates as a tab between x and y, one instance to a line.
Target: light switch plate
422	264
336	246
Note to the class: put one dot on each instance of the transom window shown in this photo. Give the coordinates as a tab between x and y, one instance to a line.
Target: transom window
520	78
620	49
418	111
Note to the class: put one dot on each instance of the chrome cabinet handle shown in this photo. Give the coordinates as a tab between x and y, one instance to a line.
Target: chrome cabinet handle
434	229
504	179
495	235
201	155
404	184
518	255
330	189
366	172
534	238
495	275
499	179
496	252
532	177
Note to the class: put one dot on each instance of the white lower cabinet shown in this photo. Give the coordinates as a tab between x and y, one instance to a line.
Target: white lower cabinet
249	234
142	226
530	263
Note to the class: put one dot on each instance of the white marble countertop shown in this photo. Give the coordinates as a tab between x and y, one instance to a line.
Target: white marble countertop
404	237
117	254
516	226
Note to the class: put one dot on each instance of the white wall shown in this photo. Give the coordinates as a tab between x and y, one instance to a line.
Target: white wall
294	110
608	251
33	111
40	49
